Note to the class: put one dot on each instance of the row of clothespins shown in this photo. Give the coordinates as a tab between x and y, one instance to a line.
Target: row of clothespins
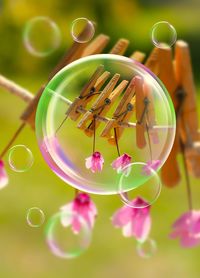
176	74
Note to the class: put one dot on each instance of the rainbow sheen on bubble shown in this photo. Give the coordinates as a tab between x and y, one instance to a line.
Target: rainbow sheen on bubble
35	217
66	149
62	241
41	36
82	30
20	158
147	185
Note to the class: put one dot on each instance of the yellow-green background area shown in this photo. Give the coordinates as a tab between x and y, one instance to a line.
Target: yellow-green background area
23	251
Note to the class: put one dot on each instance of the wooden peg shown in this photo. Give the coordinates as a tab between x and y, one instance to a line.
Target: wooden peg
87	92
102	104
141	109
152	61
161	63
96	46
123	113
170	172
150	115
138	56
184	76
120	47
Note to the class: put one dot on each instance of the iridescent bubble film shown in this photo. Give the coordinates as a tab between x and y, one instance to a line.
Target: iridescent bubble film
82	30
146	185
35	217
20	158
163	34
41	36
147	248
61	238
66	132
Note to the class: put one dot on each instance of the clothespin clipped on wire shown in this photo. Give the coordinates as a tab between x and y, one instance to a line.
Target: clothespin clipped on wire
178	78
122	113
102	105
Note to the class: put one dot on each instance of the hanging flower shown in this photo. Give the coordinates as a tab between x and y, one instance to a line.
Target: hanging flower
120	164
135	222
3	175
83	207
151	165
95	162
187	228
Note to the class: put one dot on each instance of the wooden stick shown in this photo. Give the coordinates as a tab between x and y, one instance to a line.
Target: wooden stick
138	56
120	47
15	89
96	46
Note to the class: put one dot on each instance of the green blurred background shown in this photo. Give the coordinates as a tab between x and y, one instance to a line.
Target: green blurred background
23	251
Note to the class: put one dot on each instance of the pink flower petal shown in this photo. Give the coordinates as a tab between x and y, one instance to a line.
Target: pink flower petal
3	175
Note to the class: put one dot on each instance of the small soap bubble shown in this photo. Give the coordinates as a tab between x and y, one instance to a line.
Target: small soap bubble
147	187
41	36
82	30
163	34
35	217
62	240
20	158
147	248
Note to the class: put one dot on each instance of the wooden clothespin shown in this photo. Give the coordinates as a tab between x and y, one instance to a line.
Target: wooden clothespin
141	106
120	47
96	46
88	92
102	104
138	56
122	113
189	117
160	62
150	114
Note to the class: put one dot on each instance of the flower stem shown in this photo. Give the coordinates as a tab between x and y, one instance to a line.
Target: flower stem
187	179
116	141
94	137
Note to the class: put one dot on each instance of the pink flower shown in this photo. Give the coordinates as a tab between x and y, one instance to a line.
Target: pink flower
120	164
187	228
151	165
3	175
134	222
82	207
95	162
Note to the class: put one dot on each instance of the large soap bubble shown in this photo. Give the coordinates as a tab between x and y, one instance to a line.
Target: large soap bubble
134	123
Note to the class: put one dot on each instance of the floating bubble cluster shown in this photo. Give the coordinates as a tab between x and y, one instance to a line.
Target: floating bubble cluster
62	240
35	217
66	142
82	30
41	36
20	158
163	34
